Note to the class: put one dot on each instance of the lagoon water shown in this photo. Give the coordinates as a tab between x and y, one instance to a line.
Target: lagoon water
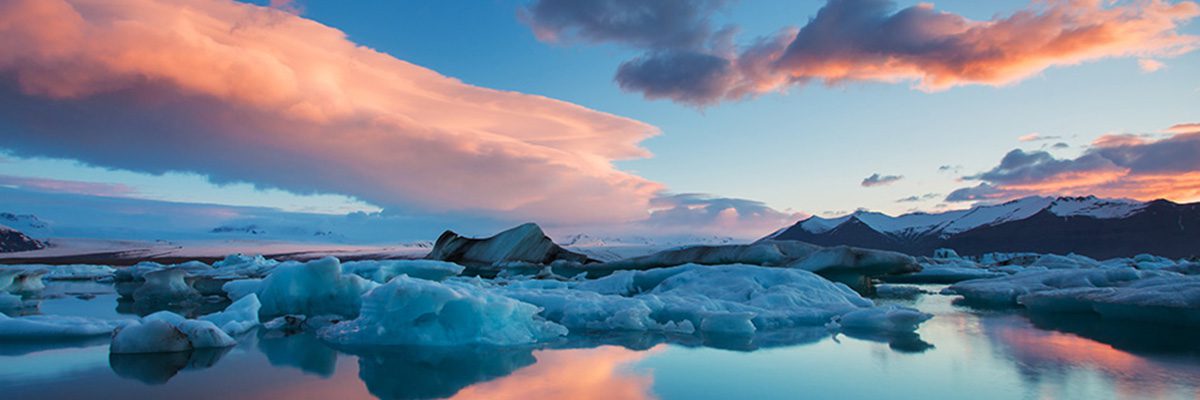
962	353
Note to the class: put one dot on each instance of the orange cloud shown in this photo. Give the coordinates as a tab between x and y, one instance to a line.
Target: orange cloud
872	40
240	92
1120	166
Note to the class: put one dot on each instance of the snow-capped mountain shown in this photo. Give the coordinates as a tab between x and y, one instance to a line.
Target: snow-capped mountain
1085	225
26	223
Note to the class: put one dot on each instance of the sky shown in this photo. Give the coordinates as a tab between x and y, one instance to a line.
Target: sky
724	117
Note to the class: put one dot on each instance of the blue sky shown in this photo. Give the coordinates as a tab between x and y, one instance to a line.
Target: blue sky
805	150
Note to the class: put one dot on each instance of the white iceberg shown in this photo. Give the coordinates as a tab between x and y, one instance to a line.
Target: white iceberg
239	317
1161	298
409	311
384	270
316	287
53	327
150	336
946	271
240	288
165	286
239	265
1070	261
886	319
715	299
22	280
1005	291
164	332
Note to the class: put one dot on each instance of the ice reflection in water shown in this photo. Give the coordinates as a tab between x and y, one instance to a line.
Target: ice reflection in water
998	354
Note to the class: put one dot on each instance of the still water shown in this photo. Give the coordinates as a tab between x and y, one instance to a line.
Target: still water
961	353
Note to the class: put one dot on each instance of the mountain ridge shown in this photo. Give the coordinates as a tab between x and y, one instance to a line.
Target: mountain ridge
1086	225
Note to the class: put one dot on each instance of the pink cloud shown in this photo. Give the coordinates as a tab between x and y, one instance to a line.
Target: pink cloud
1150	65
66	186
246	93
873	40
1120	166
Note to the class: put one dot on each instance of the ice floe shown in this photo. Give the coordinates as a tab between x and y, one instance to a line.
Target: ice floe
53	327
384	270
239	317
164	332
311	288
410	311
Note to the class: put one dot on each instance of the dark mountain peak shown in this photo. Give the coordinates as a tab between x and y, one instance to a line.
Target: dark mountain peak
12	240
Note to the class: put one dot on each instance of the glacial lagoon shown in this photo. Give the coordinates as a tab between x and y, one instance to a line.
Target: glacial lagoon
986	353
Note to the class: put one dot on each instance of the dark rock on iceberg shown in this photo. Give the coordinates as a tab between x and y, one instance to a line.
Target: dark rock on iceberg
526	243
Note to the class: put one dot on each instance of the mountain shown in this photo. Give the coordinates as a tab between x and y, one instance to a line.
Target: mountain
26	223
1098	228
12	241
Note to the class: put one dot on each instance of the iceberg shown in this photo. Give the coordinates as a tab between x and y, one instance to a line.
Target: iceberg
1165	299
525	243
410	311
240	288
164	332
238	318
239	265
849	265
886	319
945	271
725	299
61	272
165	286
22	280
383	271
1005	291
150	336
54	327
312	288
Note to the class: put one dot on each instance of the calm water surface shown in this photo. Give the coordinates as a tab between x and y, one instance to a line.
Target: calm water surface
961	353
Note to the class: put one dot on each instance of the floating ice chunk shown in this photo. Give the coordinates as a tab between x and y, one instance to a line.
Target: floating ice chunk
65	272
946	271
22	280
138	271
165	331
1164	298
53	327
885	319
239	317
1006	290
689	297
1070	261
384	271
729	323
946	254
766	252
244	266
149	336
241	288
863	261
205	335
316	287
897	291
10	301
7	275
165	286
409	311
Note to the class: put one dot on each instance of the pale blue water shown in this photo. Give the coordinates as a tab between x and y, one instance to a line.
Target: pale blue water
961	353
